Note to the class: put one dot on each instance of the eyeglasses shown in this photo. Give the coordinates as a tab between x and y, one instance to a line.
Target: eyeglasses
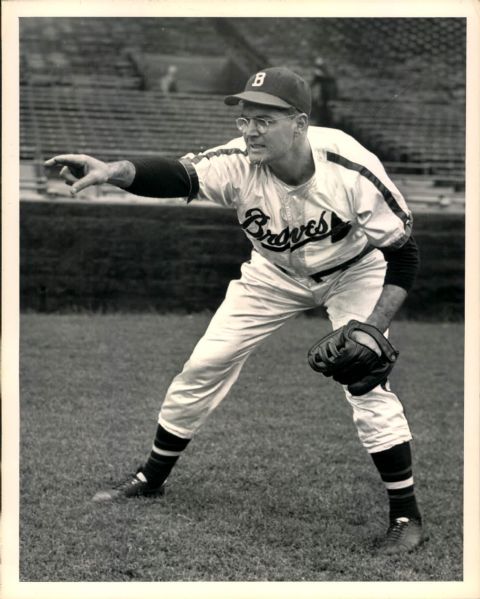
261	124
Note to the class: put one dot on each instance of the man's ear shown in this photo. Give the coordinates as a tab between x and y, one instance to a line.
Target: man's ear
302	122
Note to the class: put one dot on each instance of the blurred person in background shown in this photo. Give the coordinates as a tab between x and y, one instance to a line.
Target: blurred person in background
324	90
168	83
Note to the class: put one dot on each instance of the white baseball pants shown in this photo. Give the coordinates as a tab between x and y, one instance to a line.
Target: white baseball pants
255	306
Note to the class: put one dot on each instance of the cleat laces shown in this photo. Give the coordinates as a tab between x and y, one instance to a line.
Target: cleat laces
396	529
132	481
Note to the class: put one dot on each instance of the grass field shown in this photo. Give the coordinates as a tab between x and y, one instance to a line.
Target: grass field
276	486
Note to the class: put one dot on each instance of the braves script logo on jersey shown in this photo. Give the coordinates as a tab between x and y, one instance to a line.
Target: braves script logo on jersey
292	239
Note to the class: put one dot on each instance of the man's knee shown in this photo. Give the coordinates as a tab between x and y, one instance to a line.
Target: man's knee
219	359
379	418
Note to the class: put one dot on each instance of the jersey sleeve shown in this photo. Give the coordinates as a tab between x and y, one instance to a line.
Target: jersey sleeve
378	207
381	210
219	172
402	264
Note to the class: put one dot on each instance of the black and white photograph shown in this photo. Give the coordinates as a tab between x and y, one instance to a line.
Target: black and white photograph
244	332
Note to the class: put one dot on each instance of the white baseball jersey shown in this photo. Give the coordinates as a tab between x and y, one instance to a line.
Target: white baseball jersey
349	202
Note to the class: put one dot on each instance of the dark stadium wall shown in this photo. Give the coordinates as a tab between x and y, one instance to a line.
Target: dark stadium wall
79	256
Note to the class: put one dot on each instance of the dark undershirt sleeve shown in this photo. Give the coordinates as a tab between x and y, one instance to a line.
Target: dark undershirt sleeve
402	264
164	178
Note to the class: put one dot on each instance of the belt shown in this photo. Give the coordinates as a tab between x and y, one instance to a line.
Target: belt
318	276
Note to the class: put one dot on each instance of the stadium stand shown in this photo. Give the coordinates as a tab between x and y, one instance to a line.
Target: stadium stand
89	85
109	125
80	45
420	133
352	45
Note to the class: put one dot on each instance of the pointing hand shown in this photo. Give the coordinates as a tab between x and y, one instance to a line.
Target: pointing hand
80	171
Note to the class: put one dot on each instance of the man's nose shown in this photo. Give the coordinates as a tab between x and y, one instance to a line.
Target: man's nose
251	129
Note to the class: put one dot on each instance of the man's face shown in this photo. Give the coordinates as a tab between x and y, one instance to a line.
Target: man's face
273	144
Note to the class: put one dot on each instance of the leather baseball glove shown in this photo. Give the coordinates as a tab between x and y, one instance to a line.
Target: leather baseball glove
351	363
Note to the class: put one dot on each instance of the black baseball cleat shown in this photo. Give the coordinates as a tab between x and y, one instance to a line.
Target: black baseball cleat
403	535
134	486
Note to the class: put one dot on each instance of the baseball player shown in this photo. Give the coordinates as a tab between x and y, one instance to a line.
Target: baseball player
328	227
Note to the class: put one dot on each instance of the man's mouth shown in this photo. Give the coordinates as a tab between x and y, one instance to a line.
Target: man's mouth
256	147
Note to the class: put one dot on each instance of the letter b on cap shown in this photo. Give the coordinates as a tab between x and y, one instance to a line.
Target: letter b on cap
259	79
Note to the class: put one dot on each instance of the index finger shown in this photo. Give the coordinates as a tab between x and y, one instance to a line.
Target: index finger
65	159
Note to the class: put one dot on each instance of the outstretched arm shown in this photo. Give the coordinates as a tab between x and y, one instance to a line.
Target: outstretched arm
156	177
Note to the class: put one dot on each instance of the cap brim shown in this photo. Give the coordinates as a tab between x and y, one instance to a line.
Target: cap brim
257	98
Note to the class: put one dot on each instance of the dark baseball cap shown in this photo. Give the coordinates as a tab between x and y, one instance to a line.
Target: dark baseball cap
276	86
